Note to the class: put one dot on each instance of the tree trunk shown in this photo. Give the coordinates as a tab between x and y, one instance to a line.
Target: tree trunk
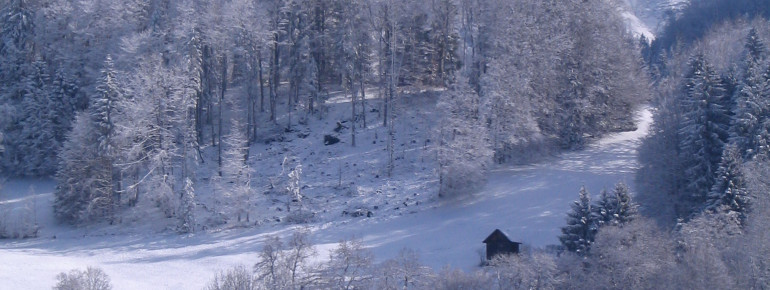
353	94
261	83
221	108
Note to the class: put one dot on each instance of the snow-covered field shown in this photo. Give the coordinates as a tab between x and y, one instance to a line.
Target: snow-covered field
528	202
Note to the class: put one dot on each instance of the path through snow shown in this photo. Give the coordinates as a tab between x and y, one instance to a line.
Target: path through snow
528	202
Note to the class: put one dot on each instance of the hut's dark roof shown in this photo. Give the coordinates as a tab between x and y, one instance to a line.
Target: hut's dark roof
498	234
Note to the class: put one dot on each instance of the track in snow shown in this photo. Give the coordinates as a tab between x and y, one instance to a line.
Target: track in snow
528	202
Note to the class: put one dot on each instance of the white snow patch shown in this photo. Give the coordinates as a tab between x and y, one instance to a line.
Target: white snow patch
528	202
637	27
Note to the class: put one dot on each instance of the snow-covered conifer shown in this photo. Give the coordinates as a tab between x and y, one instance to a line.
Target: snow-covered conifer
615	208
627	209
755	47
579	232
605	209
703	130
86	172
749	127
37	142
729	192
17	30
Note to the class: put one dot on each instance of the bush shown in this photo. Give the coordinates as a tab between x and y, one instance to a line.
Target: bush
17	223
286	266
237	278
90	279
349	266
300	217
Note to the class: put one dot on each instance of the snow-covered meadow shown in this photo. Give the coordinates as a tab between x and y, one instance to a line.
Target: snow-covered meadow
528	202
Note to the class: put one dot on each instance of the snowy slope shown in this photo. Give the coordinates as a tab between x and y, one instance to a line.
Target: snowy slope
636	26
528	202
650	14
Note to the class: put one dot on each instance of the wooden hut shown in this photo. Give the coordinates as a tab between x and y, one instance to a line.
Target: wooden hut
499	244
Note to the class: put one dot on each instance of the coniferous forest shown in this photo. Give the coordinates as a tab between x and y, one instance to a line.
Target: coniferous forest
119	99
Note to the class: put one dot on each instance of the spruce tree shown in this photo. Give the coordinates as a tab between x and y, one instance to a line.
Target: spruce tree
729	193
37	143
755	48
615	208
16	56
703	131
626	209
65	102
579	232
86	174
16	46
74	175
605	209
749	129
102	111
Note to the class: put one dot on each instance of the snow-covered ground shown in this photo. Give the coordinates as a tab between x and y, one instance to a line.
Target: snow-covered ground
636	26
650	14
528	202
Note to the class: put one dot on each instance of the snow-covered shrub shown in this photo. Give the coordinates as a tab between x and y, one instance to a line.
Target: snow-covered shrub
632	256
90	279
236	278
404	271
349	266
749	254
286	266
299	217
535	270
164	195
450	279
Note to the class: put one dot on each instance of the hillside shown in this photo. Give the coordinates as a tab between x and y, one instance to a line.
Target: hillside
165	141
528	202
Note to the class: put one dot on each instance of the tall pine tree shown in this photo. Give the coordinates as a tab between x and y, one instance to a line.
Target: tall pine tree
749	128
615	208
86	175
37	143
578	235
604	211
703	131
729	193
16	56
755	48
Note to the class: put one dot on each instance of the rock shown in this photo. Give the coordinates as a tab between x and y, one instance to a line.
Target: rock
339	127
330	140
358	213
